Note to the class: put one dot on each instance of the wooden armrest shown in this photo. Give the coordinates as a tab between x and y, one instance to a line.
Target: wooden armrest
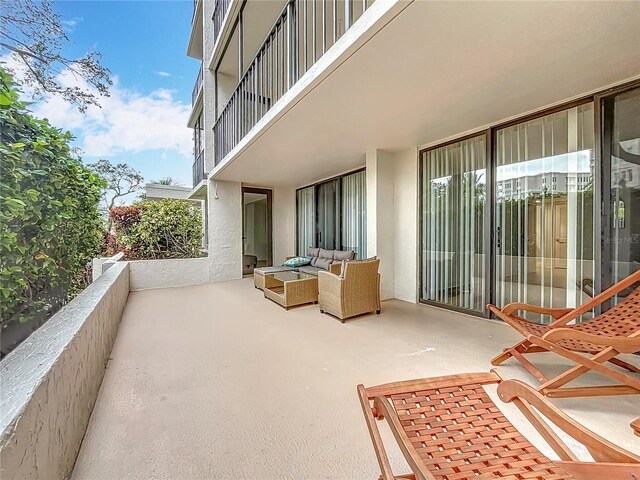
290	257
562	315
621	344
600	449
635	426
600	470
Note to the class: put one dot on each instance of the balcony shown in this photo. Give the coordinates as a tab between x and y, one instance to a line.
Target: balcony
197	87
198	169
219	13
248	390
302	33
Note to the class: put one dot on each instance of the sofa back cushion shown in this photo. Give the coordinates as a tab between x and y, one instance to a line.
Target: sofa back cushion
313	252
340	255
326	254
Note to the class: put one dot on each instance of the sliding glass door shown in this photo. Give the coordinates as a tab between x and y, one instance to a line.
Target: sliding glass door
544	210
333	214
621	152
354	213
306	214
453	227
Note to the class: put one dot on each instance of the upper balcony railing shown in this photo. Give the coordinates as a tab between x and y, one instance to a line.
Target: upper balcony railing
198	169
197	87
195	8
303	32
219	12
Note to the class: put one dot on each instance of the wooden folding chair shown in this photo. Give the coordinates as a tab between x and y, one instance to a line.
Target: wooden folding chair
602	339
449	428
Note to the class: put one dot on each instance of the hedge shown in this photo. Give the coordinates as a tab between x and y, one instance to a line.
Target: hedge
49	219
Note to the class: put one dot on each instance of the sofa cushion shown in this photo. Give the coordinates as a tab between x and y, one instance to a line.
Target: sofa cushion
313	252
310	270
297	262
326	254
323	263
340	255
313	260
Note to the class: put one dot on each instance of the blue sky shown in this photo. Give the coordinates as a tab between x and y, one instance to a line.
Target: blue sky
143	123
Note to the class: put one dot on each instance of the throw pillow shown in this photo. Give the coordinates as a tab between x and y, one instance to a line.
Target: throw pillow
297	262
323	263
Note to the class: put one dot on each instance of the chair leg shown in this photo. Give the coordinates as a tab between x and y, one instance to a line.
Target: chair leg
625	365
507	352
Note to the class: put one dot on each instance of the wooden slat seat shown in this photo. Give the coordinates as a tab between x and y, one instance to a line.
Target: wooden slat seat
448	428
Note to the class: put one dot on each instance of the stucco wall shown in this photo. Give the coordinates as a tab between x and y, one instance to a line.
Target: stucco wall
225	230
51	381
180	272
405	204
380	216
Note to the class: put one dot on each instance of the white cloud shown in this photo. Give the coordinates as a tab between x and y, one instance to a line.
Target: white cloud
128	122
163	74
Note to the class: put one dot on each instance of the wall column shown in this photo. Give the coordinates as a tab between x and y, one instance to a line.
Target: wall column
224	200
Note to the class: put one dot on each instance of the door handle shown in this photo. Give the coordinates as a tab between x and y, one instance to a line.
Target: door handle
499	239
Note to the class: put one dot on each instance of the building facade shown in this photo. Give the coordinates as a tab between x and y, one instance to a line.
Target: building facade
485	152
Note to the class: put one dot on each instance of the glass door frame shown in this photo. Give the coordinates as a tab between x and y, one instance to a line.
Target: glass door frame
603	210
603	124
489	262
269	194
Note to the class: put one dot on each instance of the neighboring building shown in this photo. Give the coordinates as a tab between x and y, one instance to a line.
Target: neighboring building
157	191
397	129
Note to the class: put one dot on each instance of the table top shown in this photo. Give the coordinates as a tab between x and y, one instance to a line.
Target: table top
290	276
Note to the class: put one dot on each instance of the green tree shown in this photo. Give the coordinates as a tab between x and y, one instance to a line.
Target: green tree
121	180
33	32
49	219
152	229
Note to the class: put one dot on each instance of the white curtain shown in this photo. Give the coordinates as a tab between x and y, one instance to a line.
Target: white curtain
354	213
453	224
544	210
306	213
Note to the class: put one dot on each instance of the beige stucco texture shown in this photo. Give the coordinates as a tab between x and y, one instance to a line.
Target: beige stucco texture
214	381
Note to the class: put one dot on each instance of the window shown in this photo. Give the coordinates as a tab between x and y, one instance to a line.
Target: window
333	214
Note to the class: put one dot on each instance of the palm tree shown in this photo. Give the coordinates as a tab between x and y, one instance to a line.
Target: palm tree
166	181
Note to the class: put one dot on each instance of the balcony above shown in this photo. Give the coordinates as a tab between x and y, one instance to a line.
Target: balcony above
194	49
303	32
412	79
197	88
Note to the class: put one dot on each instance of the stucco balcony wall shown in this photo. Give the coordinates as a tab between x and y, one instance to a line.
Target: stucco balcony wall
51	381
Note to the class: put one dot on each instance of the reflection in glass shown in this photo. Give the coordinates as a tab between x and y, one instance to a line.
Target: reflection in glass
544	210
306	216
624	239
453	223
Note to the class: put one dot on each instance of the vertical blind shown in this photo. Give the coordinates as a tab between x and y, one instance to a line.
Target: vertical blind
453	224
306	213
354	213
544	210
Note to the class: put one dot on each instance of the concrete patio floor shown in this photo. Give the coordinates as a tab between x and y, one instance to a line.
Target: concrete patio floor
214	381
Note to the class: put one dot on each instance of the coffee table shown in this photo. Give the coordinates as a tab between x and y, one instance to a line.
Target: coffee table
289	289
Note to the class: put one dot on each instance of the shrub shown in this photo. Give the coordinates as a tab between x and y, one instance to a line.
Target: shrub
49	219
158	229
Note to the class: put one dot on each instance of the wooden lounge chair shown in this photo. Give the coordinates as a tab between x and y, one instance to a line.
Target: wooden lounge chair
449	428
590	344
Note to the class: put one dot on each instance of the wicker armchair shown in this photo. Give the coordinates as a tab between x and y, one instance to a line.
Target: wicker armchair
355	294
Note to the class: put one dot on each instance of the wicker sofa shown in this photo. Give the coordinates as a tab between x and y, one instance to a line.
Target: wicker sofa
321	261
356	293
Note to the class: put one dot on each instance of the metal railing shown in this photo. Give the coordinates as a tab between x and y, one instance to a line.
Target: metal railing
219	12
303	32
197	87
198	169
